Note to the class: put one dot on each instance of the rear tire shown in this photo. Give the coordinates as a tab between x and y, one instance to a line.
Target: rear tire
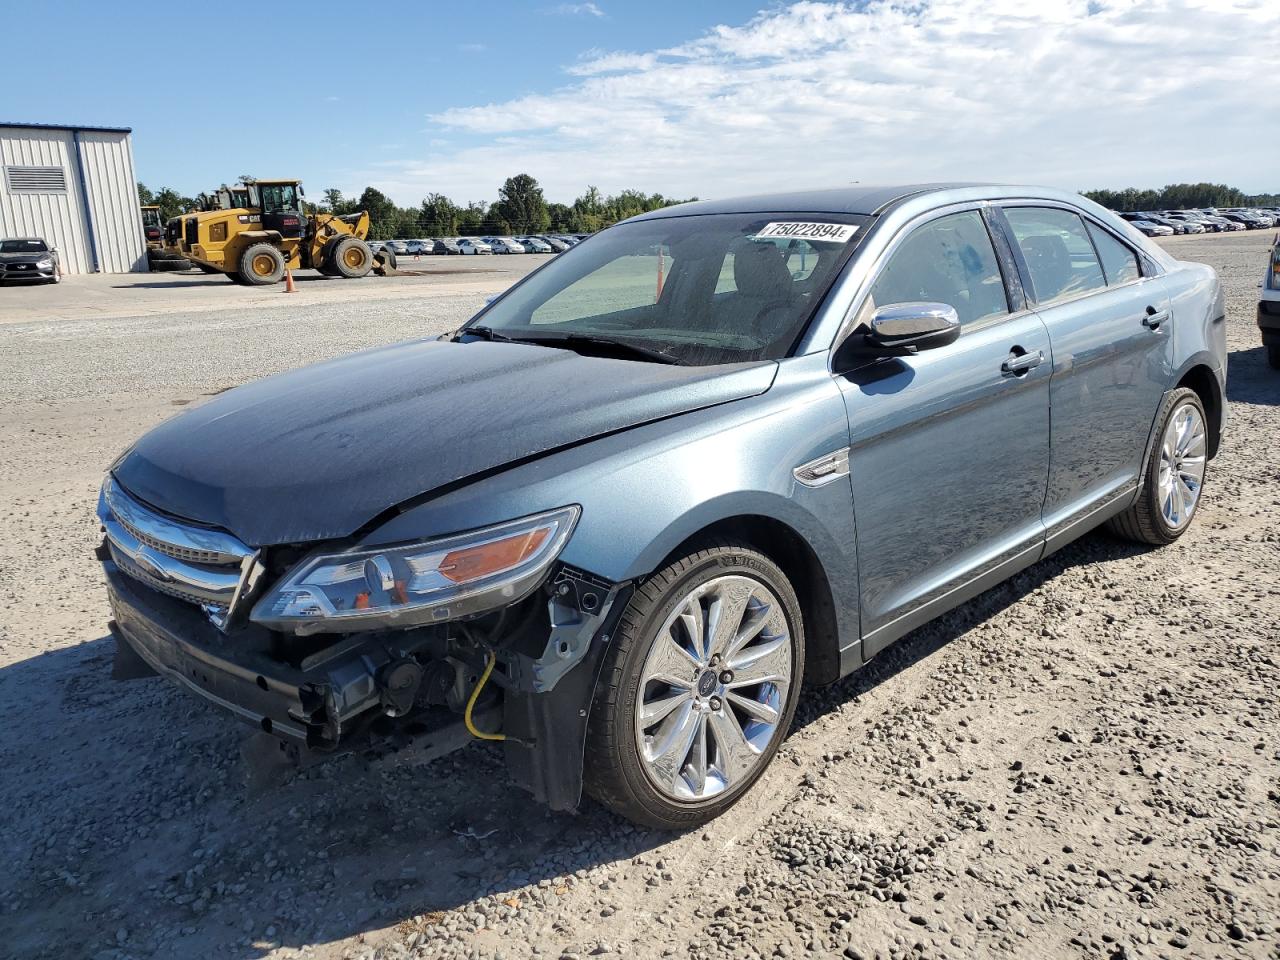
351	258
1273	357
1165	508
261	264
678	767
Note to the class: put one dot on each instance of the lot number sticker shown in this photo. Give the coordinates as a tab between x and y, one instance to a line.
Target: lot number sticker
813	232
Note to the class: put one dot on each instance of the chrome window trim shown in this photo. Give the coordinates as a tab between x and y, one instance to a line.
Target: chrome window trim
1150	268
875	267
1146	263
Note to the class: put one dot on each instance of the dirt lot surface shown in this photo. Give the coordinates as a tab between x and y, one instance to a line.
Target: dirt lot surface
126	295
1083	762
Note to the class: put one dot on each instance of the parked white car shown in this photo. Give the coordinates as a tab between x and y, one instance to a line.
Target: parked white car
534	245
399	247
474	245
504	245
418	247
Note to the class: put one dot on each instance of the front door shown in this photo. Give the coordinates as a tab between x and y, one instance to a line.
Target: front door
949	448
1112	359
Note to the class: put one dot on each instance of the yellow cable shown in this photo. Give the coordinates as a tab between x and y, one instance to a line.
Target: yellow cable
475	695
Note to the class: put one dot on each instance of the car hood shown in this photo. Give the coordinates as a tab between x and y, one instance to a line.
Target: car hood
319	452
24	257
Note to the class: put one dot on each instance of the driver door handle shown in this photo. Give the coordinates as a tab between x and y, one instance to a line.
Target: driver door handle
1019	363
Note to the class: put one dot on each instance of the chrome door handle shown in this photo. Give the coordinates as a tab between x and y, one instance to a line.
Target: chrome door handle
1154	318
1019	363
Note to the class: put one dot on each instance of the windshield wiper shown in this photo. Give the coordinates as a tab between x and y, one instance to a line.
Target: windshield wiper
620	346
484	333
568	340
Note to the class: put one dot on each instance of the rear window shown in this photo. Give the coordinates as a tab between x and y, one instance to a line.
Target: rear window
1118	262
1058	252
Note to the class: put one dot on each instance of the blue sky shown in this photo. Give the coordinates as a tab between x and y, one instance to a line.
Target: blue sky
705	98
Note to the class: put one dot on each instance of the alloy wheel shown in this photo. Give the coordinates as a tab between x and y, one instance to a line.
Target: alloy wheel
1182	464
713	688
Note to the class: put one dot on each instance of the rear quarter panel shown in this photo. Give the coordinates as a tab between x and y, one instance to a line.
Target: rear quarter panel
1199	314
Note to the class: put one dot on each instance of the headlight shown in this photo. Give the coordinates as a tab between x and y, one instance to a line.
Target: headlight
45	264
416	583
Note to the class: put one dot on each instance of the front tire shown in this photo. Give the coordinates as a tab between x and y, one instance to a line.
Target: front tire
1174	481
351	258
698	688
261	264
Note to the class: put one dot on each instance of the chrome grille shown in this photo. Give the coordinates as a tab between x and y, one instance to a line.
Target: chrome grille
200	565
174	550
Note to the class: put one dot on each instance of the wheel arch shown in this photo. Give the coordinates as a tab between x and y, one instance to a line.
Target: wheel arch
786	547
1200	377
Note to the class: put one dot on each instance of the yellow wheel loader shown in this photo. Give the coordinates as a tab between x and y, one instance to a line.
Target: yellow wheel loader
254	242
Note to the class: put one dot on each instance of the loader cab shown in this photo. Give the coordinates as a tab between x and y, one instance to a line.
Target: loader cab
152	225
281	206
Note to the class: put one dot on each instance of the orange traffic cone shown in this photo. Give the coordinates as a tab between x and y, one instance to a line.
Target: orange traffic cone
288	281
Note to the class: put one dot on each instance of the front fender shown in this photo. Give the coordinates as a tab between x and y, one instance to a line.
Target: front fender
646	490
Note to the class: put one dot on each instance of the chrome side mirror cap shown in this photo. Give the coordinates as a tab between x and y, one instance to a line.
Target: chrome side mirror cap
905	328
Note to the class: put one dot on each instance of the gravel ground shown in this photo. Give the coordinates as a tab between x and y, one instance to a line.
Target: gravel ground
1082	762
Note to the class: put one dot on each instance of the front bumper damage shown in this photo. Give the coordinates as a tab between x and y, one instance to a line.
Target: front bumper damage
361	686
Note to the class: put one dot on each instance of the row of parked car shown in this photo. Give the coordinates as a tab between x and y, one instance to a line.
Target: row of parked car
557	243
1166	223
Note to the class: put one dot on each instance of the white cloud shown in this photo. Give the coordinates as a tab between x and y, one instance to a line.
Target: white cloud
577	9
1078	94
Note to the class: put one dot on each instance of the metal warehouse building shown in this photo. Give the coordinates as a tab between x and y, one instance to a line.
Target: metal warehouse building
75	187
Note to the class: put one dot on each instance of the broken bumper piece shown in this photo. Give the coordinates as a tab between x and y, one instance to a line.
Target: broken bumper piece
317	707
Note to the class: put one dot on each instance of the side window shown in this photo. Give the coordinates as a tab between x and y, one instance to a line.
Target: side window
949	260
1119	262
1058	252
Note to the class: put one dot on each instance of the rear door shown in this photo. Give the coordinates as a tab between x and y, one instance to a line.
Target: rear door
1107	313
949	448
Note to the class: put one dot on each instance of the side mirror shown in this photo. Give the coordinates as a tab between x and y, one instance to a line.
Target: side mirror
901	329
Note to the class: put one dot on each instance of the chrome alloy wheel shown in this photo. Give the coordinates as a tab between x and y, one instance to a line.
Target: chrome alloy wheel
1182	462
713	688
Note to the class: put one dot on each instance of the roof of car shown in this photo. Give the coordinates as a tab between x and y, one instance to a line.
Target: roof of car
856	199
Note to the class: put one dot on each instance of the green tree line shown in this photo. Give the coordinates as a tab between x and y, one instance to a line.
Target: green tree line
170	202
521	208
1180	196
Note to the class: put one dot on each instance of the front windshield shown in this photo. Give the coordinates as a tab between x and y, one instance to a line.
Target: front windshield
704	289
22	246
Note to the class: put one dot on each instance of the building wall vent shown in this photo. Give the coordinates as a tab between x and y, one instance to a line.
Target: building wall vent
36	179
